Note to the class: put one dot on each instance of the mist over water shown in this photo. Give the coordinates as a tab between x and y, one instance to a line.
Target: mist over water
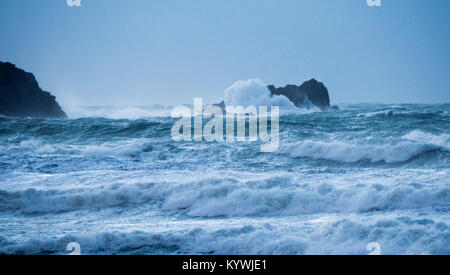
113	180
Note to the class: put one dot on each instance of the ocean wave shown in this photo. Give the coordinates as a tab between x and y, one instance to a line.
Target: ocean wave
442	140
128	148
283	197
411	145
396	235
387	113
234	197
57	200
350	153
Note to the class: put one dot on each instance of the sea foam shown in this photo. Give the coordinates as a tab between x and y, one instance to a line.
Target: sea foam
254	92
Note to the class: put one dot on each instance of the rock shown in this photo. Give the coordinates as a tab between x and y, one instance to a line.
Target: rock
221	105
308	94
20	95
311	93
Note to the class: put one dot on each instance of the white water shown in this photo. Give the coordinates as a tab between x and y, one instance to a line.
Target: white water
338	182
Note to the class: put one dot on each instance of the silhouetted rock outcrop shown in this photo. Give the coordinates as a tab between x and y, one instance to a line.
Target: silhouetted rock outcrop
221	105
20	95
308	94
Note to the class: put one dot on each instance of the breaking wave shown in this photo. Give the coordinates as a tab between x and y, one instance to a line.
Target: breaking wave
231	197
343	236
345	152
254	92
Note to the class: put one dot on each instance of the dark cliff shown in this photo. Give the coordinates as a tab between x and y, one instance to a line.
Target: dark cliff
20	95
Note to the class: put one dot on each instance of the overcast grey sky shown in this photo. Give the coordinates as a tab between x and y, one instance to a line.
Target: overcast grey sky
144	52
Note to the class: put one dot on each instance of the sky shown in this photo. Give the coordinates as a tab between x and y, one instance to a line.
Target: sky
140	52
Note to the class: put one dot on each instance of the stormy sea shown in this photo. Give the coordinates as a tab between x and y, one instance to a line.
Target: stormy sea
114	181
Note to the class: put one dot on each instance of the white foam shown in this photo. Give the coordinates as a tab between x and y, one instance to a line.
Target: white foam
128	148
282	196
348	152
387	113
234	197
326	235
442	140
254	92
313	213
374	114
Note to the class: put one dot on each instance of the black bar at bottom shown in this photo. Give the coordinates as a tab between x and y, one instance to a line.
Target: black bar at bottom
218	264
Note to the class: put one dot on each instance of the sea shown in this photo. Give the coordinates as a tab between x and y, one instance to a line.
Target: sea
113	181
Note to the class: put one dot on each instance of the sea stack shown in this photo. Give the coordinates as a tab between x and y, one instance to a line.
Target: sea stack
310	93
21	96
